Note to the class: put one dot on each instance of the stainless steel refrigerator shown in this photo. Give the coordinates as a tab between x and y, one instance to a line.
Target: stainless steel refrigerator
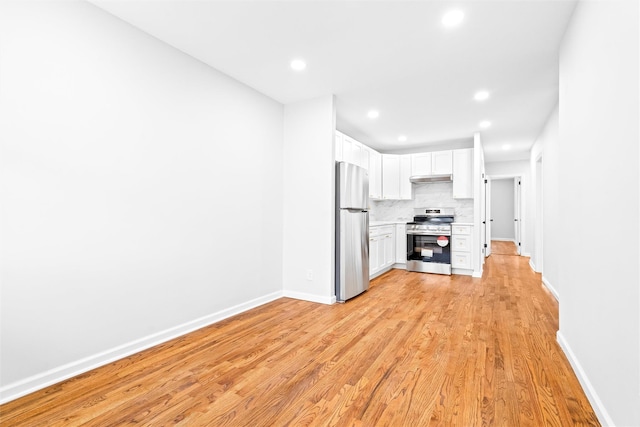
352	231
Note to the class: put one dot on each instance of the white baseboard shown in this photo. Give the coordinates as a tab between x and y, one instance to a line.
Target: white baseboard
310	297
503	239
551	289
28	385
477	274
532	265
596	403
526	254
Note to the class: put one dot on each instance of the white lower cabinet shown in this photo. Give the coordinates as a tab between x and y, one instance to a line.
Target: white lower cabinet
381	248
461	245
401	244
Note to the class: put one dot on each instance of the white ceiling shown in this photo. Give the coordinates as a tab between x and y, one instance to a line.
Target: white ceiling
392	56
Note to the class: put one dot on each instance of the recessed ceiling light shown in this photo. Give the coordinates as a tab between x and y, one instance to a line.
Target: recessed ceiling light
506	146
452	18
373	114
298	64
485	124
481	95
402	138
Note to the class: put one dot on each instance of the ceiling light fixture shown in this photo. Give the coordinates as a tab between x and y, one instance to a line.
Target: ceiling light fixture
373	114
506	146
452	18
402	138
484	124
481	95
298	64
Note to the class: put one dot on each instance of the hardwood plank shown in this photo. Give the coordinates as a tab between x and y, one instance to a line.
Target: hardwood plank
415	350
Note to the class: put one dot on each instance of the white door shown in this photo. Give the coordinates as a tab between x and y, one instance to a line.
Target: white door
517	221
487	207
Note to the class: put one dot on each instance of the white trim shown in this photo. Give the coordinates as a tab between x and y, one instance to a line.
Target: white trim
532	265
477	274
596	403
526	254
310	297
39	381
551	289
504	239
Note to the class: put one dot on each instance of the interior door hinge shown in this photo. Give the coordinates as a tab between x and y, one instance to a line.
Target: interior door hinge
485	245
485	181
519	244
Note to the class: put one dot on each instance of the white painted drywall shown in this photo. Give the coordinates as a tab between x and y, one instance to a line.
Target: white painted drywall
141	189
599	205
548	145
519	168
309	218
502	211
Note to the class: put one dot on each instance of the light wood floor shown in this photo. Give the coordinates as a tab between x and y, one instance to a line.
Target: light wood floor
500	247
415	350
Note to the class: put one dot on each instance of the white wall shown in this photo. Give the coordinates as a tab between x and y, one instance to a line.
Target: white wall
502	211
599	185
309	176
141	192
519	168
547	147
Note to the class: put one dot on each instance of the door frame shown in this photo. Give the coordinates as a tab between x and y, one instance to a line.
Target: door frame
518	210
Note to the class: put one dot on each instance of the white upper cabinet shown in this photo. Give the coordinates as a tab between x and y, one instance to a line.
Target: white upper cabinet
390	176
351	151
396	170
433	163
442	162
338	146
375	174
405	174
421	164
463	173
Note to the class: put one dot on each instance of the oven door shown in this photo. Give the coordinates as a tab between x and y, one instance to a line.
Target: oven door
429	253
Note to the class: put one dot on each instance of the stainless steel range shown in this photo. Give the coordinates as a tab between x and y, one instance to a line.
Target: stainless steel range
429	240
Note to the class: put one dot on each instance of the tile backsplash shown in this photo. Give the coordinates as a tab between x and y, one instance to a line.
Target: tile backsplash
435	195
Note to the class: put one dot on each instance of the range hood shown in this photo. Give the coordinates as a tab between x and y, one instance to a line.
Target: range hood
425	179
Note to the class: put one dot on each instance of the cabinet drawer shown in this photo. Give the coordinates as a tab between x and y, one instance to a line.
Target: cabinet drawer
381	230
461	243
461	229
461	260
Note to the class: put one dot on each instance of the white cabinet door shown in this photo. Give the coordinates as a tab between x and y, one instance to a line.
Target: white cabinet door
390	176
442	162
463	173
338	147
364	156
375	174
401	244
374	265
405	174
389	250
421	164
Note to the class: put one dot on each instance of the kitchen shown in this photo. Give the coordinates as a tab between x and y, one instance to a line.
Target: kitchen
400	186
128	193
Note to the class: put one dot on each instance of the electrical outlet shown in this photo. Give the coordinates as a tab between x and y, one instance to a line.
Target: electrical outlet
309	274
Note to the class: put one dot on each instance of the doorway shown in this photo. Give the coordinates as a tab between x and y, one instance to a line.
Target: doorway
502	216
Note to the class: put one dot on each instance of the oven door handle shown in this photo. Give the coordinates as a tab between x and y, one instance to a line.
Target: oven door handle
422	233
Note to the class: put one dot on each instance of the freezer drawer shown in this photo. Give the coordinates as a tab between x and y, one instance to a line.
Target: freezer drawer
352	262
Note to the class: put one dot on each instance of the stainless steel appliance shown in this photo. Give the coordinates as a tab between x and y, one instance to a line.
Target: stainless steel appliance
429	240
352	231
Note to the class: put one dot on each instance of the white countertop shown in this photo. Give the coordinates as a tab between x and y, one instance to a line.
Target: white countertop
379	223
461	223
